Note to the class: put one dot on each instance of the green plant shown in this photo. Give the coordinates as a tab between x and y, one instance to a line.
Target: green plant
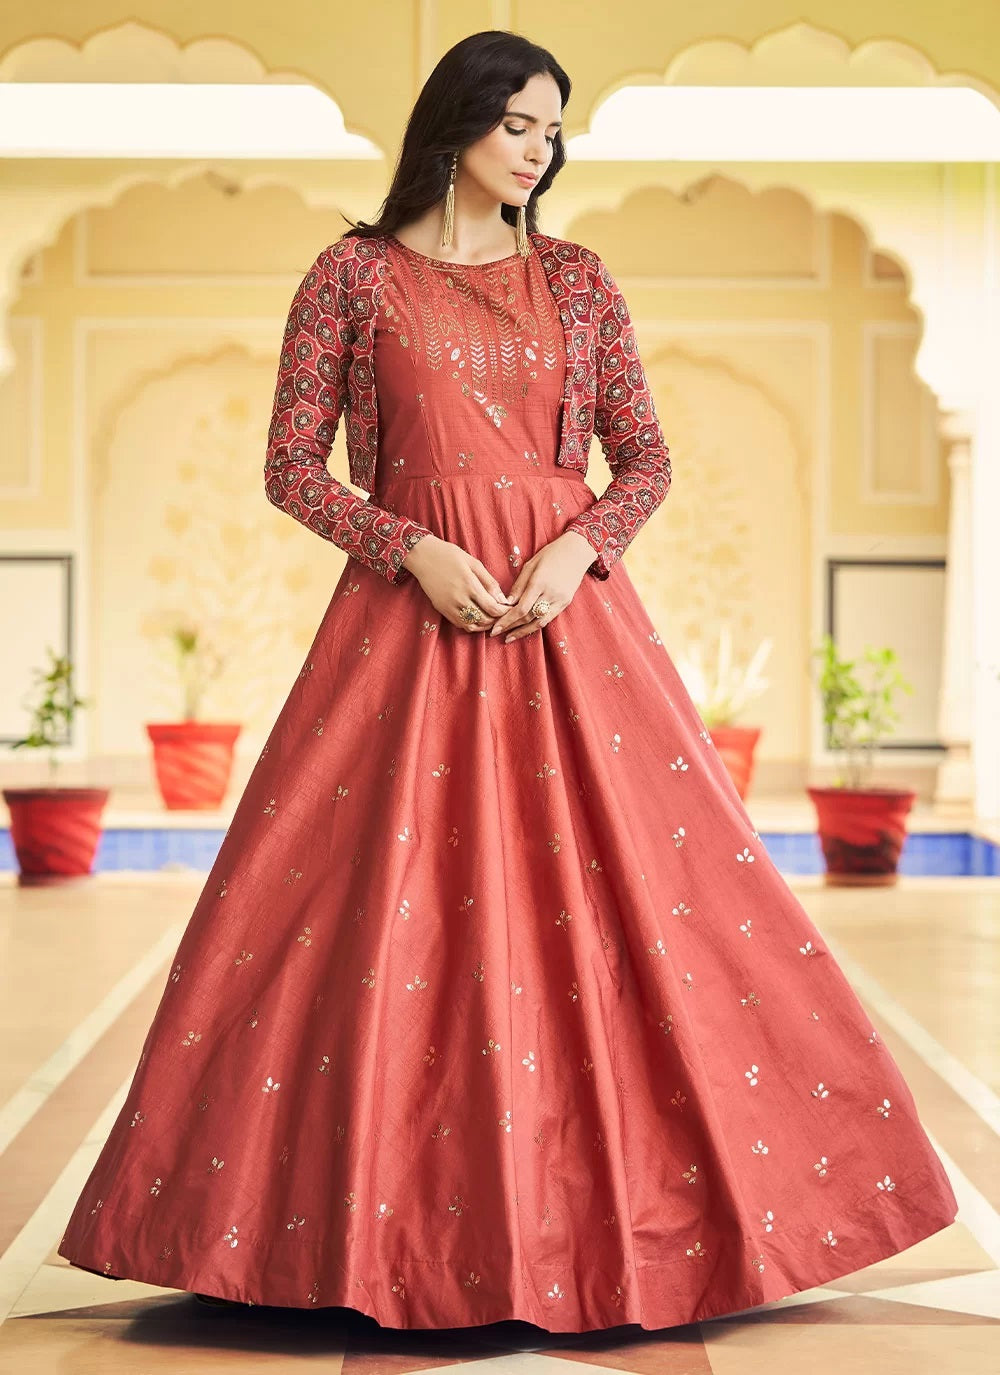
197	663
858	716
54	701
720	695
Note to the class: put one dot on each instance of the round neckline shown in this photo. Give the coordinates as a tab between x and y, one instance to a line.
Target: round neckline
448	262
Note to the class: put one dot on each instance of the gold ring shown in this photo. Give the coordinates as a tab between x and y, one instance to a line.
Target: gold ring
540	607
472	614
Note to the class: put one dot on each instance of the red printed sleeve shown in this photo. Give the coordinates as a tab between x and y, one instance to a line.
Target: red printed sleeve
309	398
626	423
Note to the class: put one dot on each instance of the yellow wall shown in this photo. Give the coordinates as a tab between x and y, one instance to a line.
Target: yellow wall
781	311
780	347
385	48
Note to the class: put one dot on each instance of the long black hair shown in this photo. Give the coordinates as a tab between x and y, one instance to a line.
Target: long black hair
464	98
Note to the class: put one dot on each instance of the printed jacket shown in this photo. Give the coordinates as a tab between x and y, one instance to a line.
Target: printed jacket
326	370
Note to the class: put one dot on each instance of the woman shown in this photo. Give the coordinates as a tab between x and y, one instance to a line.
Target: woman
493	1005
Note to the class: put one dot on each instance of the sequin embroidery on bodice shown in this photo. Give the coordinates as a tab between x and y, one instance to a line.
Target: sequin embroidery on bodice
466	352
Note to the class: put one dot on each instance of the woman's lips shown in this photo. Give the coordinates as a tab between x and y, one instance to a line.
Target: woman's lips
524	179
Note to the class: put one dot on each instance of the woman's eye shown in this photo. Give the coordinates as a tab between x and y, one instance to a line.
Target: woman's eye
524	131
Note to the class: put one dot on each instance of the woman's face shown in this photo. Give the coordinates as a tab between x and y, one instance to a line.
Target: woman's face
521	142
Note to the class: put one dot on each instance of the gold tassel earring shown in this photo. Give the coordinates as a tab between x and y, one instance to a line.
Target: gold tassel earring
448	227
522	233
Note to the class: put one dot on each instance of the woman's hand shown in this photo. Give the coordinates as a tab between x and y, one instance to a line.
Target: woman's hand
554	573
453	578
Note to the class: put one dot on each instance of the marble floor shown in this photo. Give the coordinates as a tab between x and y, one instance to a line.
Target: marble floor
82	971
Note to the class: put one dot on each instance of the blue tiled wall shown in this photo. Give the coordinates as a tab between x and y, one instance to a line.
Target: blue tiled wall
924	852
151	849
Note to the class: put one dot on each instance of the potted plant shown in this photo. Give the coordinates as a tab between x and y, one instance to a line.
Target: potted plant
861	827
54	829
193	759
721	695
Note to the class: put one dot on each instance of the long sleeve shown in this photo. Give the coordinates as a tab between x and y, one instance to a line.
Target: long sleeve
310	396
626	423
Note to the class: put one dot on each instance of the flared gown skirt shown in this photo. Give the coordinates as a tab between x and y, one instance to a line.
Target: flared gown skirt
493	1005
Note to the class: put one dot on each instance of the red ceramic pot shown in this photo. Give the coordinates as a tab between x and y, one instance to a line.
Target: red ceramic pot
193	762
736	745
862	831
55	832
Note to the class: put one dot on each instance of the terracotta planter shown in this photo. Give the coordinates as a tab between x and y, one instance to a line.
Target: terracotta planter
193	761
55	832
736	745
862	832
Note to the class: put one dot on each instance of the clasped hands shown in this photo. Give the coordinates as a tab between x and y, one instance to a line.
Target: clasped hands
453	578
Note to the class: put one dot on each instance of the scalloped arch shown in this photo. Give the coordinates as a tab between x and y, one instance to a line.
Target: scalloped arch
781	54
139	52
702	184
129	51
799	54
217	348
41	220
686	187
806	54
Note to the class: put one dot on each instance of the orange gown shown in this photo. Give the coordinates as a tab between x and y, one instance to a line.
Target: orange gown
494	1005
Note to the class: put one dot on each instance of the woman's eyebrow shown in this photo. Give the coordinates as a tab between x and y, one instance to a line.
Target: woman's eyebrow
532	119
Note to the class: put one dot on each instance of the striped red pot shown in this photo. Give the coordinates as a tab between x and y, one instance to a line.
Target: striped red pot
862	831
55	832
193	761
736	745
